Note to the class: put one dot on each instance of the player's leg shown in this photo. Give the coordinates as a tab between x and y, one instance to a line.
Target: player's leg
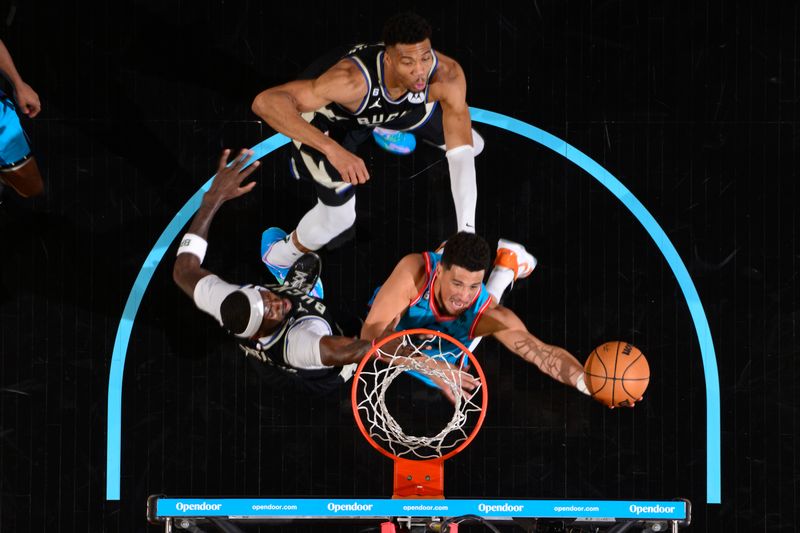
333	214
24	178
512	262
317	227
18	168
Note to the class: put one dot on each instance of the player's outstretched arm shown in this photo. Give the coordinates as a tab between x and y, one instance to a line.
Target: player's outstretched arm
281	106
337	351
226	185
394	296
449	88
507	328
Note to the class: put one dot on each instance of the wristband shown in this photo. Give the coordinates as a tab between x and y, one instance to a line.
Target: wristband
193	244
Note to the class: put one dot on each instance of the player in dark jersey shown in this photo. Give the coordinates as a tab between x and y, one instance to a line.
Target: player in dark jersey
282	326
401	84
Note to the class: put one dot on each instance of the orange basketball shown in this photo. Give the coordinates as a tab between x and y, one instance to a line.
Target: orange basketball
616	374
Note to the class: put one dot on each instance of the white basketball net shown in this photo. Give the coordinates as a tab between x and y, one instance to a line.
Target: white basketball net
378	375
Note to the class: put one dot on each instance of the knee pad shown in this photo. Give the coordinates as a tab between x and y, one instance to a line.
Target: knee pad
337	217
324	222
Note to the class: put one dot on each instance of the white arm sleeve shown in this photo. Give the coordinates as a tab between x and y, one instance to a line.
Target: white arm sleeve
461	161
209	293
301	347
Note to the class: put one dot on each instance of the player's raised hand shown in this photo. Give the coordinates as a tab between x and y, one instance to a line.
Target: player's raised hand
228	182
351	167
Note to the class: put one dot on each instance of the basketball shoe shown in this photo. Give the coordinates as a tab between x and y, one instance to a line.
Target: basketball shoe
268	239
396	142
514	257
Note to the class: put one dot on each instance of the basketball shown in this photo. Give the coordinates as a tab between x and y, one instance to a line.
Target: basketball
616	374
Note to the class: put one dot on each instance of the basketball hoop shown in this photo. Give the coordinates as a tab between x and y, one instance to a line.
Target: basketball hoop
439	360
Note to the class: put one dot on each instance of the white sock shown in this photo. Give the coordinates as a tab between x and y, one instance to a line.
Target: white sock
499	280
283	253
324	222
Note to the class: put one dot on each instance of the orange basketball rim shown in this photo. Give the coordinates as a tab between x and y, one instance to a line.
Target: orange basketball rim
419	461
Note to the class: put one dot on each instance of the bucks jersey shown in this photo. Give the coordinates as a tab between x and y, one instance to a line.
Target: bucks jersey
377	108
410	111
308	313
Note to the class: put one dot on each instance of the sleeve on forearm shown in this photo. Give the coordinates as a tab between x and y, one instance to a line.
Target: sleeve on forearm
302	343
461	161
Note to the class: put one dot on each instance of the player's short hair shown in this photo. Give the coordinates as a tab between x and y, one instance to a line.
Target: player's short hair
235	312
405	28
467	250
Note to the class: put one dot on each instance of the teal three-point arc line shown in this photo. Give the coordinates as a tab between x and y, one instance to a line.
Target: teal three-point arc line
170	233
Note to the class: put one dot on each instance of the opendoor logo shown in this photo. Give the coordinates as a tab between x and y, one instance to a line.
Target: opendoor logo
500	508
205	506
355	506
639	509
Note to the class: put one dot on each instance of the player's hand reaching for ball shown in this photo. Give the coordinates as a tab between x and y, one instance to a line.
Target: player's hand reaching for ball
227	183
627	403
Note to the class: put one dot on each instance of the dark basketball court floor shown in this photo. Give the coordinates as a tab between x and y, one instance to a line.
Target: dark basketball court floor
692	106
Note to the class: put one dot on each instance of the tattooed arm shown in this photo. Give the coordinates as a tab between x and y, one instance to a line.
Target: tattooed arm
507	328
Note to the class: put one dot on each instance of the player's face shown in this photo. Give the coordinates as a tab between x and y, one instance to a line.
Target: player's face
458	287
275	311
410	64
